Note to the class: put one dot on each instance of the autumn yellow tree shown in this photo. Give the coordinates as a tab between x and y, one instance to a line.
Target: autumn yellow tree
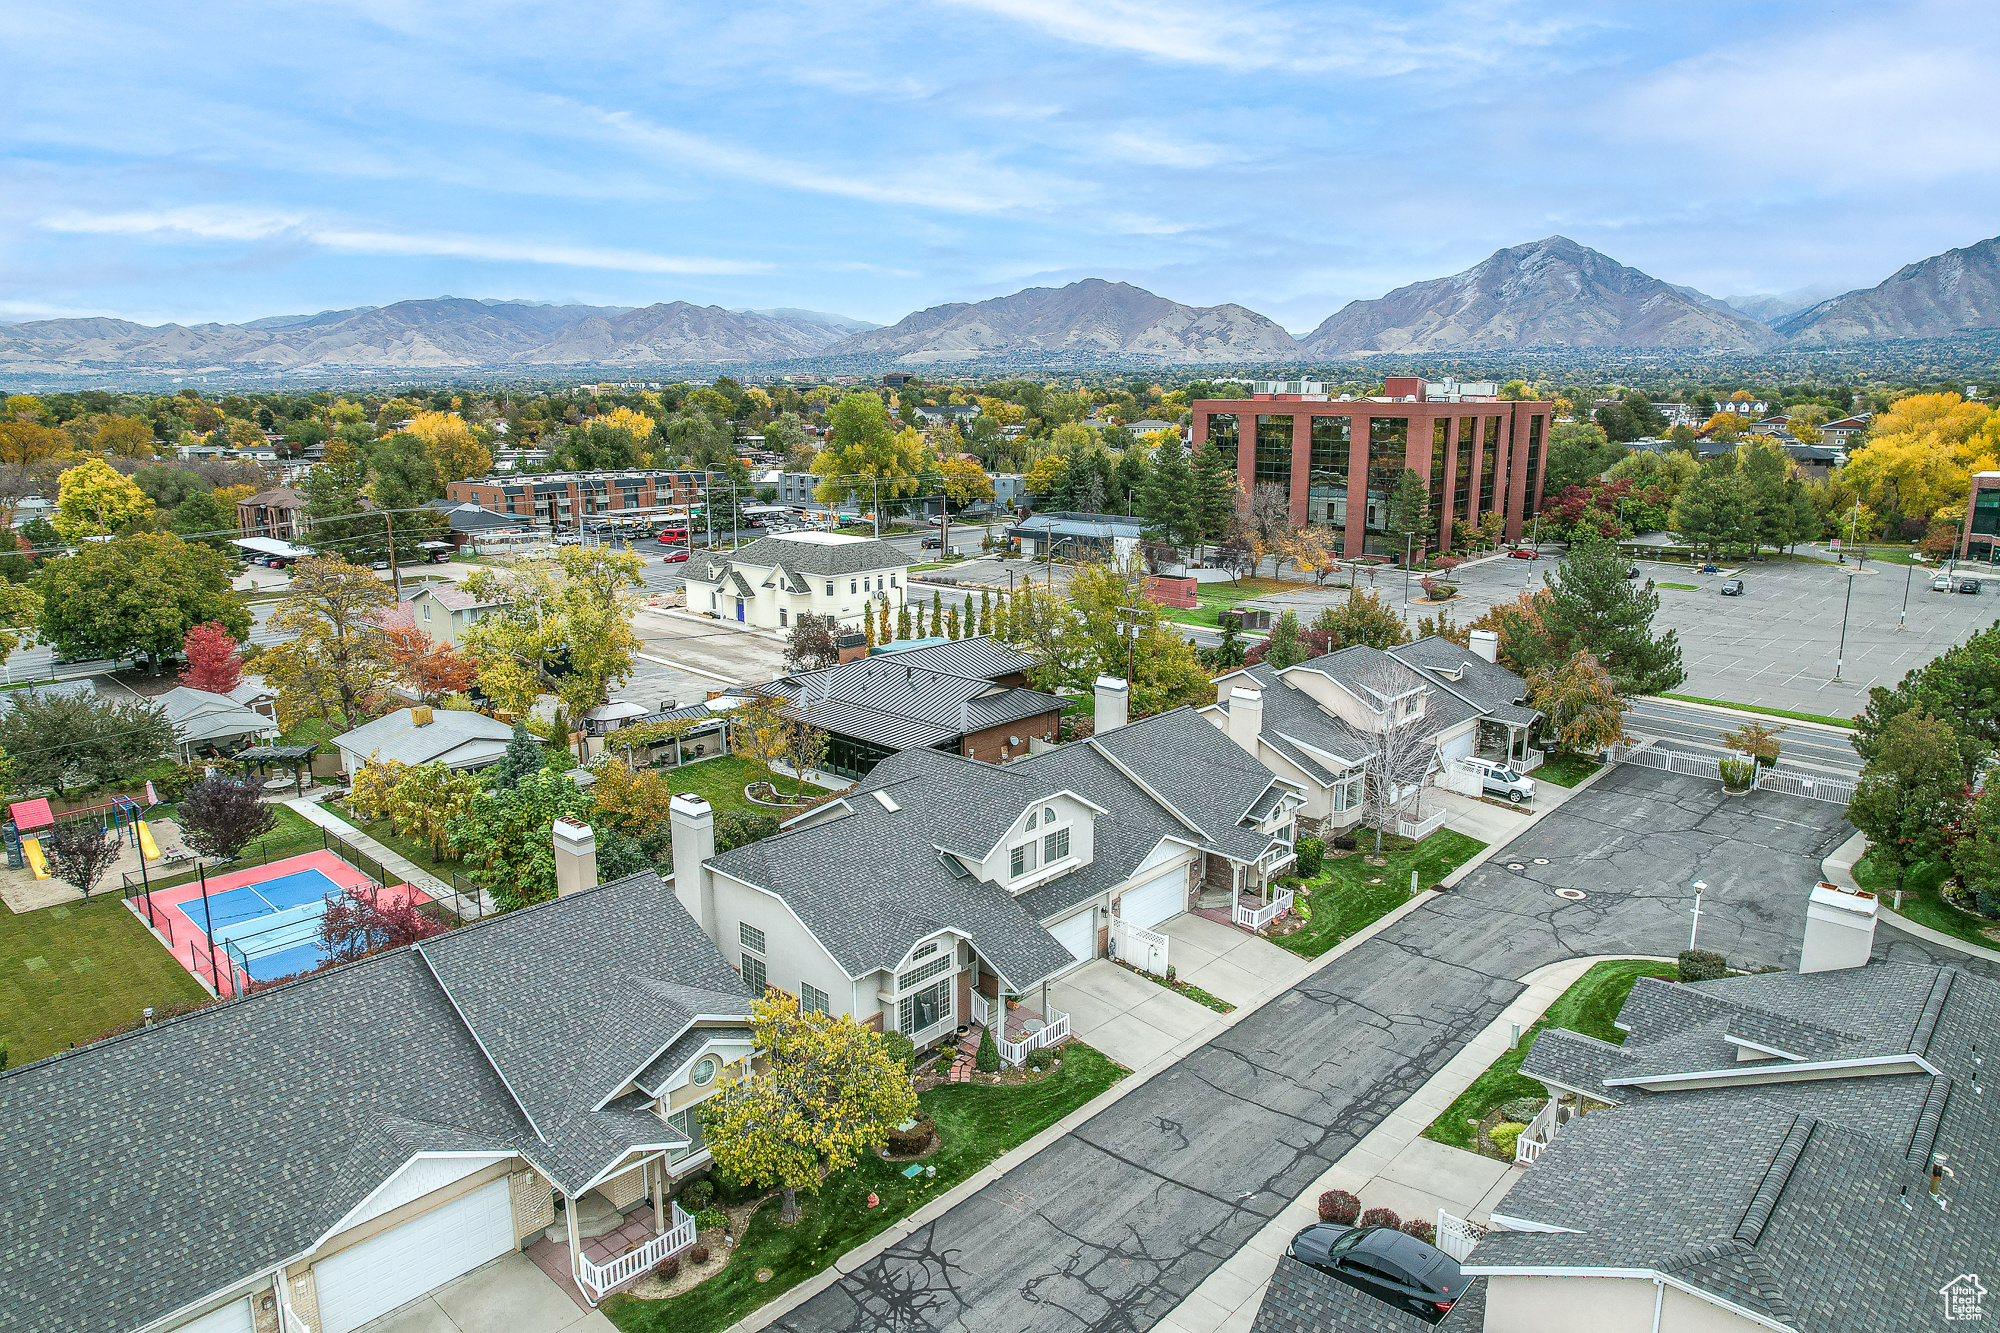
828	1091
630	800
1920	455
1312	550
451	446
127	437
94	500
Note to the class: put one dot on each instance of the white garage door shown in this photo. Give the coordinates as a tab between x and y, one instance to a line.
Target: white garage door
232	1318
1157	899
1078	934
403	1263
1457	748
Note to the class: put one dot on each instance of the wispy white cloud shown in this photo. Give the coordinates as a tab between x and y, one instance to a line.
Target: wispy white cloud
212	224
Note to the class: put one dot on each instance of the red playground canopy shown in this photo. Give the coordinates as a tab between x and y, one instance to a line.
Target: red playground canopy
31	814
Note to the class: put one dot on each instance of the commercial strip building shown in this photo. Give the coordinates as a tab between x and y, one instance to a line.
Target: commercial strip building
1478	454
564	500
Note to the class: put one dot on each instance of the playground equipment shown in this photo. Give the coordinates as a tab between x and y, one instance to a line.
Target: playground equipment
147	847
32	847
30	821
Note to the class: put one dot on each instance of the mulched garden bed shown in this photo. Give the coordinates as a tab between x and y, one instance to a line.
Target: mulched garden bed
936	1072
764	794
654	1287
1188	989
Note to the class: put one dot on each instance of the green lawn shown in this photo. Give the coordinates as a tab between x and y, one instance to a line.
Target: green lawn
1588	1007
1846	723
1921	900
1566	770
416	852
976	1124
1683	587
68	973
720	781
1343	900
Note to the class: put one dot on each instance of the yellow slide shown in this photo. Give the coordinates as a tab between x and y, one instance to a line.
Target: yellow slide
32	847
149	848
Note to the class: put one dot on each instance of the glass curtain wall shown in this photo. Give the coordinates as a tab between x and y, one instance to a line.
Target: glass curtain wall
1274	453
1531	503
1222	433
1326	487
1489	458
1388	452
1461	495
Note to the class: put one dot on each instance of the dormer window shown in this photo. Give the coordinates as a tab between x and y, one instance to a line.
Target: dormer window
1021	860
704	1072
927	950
1049	815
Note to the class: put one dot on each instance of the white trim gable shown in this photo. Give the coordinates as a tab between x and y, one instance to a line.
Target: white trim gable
423	1173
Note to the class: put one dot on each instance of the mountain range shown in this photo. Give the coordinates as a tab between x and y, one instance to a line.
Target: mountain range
1548	294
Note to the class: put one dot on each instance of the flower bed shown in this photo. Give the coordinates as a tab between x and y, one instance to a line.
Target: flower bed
1179	987
763	793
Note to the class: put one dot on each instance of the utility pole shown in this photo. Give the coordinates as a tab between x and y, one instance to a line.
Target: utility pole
1128	625
395	572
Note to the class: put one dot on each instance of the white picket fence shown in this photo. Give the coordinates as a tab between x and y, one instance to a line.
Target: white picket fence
1670	761
1812	786
1790	782
1456	1236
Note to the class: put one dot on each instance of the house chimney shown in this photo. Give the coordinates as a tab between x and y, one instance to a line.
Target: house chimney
1246	717
851	646
1840	928
576	856
420	717
692	823
1486	643
1113	704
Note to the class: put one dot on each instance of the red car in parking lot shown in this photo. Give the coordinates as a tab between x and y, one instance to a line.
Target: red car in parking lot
673	557
1524	553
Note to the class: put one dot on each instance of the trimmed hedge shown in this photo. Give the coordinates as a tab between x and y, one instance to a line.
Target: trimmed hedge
1504	1134
1339	1206
1701	965
1382	1217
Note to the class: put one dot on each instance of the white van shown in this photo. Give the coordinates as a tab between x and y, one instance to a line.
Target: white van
1499	780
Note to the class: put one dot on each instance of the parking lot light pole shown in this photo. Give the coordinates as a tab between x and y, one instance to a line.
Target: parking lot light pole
1695	927
1840	654
1909	571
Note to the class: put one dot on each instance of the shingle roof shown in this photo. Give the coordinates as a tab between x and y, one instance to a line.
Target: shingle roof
909	699
819	557
1488	686
1802	1200
454	598
450	735
201	715
1201	773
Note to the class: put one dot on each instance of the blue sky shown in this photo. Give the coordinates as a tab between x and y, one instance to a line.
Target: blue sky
204	161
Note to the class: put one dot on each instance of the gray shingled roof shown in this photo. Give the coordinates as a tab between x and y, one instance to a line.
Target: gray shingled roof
905	700
823	559
1804	1200
1302	1299
1201	773
1497	692
454	737
1575	1061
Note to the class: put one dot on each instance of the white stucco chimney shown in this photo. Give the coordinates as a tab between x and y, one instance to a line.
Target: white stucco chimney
1840	928
576	856
1486	643
693	824
1246	716
1113	704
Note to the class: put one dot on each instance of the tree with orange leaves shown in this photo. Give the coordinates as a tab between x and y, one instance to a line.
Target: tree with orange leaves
430	668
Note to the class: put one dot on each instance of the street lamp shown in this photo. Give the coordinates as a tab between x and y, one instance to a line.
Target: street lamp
1695	927
1909	571
1840	654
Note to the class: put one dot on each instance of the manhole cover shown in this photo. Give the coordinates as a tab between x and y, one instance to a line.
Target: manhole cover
1541	860
1516	867
1574	895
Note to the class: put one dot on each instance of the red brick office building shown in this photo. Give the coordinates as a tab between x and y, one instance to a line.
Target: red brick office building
1478	453
564	500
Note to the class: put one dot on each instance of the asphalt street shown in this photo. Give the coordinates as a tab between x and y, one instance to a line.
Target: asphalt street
1801	745
1115	1223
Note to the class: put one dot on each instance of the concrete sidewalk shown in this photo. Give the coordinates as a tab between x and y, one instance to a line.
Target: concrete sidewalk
1392	1167
308	808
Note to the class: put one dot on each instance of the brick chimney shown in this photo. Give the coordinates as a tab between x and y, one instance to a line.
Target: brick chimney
576	856
851	646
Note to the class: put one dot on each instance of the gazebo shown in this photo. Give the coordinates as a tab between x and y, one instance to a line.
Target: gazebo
298	758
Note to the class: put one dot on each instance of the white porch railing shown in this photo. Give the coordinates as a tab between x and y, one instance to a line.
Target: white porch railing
1530	761
1142	948
288	1317
1539	1132
601	1278
1055	1029
1416	830
982	1010
925	1036
1256	918
1456	1236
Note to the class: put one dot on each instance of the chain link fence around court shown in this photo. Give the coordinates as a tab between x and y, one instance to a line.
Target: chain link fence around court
1787	782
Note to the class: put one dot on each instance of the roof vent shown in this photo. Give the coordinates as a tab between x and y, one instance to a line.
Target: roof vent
421	717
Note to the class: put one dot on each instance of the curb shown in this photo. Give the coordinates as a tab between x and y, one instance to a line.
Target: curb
1736	713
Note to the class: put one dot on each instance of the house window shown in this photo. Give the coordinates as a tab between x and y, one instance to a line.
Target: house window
917	976
829	587
704	1071
427	610
782	614
1031	820
752	937
812	999
690	1126
853	586
892	580
926	1009
753	972
1022	860
1049	815
1055	846
927	950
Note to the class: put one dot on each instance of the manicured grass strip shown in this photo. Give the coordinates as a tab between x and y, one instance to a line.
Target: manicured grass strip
1588	1007
70	972
1845	723
1684	587
720	781
975	1125
1923	902
1342	900
1187	988
1566	770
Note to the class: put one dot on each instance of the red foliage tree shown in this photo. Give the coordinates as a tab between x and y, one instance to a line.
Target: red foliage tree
214	659
356	924
426	666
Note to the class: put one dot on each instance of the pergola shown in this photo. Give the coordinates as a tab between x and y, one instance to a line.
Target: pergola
298	758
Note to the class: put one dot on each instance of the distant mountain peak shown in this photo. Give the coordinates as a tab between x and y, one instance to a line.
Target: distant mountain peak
1947	293
1551	292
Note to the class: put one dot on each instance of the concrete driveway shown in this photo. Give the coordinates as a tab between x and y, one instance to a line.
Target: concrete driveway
507	1293
1228	963
1127	1017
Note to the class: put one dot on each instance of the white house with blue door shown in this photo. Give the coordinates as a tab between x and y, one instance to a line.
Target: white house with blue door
774	580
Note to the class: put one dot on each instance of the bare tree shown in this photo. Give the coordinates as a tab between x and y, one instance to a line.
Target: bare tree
1405	753
80	852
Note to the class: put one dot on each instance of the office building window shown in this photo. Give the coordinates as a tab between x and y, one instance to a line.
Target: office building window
1489	458
753	972
1440	441
1530	502
1222	433
1274	453
1388	454
1461	494
812	999
1326	482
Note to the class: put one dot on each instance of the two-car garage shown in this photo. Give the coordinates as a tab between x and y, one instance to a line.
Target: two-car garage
404	1262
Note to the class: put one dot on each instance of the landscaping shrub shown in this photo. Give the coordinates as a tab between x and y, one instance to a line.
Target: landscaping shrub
987	1061
1504	1134
1701	965
900	1047
1345	842
1440	592
1737	774
668	1268
909	1142
699	1254
697	1196
1042	1057
1312	856
1422	1230
710	1217
1339	1206
1382	1217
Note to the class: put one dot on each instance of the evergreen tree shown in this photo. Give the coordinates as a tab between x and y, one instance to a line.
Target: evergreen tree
985	611
1285	648
1215	493
951	623
1714	508
1167	501
522	756
1001	629
1592	607
903	621
867	630
1408	521
920	622
968	619
1764	470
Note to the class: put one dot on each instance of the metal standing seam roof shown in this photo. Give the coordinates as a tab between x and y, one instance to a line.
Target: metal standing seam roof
1804	1201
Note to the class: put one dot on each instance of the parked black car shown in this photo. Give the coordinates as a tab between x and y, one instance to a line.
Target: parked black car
1968	585
1385	1263
1732	587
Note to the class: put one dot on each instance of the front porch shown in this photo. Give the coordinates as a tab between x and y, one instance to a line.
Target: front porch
1022	1028
1506	743
615	1246
1250	911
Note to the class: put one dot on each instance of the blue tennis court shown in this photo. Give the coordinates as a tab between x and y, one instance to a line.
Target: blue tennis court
273	895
